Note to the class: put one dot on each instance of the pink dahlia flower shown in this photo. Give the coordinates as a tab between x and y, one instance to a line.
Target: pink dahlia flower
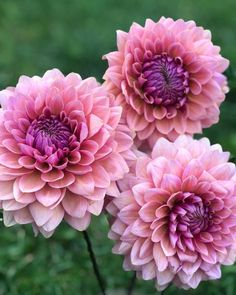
175	218
60	151
168	76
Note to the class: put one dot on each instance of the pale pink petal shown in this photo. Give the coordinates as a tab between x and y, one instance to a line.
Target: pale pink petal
75	206
80	224
40	213
47	196
31	183
83	185
55	219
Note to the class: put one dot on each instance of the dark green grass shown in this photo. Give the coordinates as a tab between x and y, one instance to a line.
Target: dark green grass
73	35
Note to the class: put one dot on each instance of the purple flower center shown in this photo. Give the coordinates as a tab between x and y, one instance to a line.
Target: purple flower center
190	216
48	133
164	81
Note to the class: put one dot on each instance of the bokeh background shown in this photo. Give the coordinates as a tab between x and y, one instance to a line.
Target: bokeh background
72	35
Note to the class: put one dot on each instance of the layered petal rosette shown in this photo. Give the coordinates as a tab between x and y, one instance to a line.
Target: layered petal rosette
168	76
61	150
175	218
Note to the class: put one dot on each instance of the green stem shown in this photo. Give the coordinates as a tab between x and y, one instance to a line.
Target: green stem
94	263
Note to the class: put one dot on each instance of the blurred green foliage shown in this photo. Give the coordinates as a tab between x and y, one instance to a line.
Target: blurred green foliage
73	35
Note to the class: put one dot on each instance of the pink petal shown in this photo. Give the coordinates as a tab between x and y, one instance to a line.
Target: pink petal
83	185
164	148
80	224
10	160
115	166
147	212
95	124
75	206
171	183
11	145
55	220
6	190
23	216
79	169
66	181
31	183
27	162
166	246
12	205
40	213
24	198
189	183
159	257
47	196
112	190
100	176
86	158
96	207
52	175
8	218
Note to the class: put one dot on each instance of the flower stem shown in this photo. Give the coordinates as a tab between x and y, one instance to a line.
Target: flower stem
94	263
132	284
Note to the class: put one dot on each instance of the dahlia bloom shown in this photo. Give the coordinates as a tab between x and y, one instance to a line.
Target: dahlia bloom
168	76
175	218
61	151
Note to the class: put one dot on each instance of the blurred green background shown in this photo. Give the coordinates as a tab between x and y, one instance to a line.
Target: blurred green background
72	35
